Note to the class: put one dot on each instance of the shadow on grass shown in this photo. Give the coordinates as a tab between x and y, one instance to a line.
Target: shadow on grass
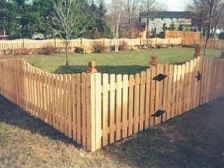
126	69
193	140
14	115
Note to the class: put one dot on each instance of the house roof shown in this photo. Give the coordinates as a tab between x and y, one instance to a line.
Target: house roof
165	14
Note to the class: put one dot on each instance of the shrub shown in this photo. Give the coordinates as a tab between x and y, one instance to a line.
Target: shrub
22	51
79	50
48	50
123	46
98	47
221	36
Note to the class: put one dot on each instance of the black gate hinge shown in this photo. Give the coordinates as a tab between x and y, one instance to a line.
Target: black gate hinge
158	113
160	77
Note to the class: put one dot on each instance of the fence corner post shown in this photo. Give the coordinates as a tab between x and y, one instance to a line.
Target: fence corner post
94	113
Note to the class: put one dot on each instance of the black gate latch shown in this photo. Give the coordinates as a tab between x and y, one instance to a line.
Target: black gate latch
160	77
158	113
198	76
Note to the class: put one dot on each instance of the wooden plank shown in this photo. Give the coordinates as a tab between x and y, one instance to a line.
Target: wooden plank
142	100
98	99
199	70
178	94
74	107
91	113
194	84
182	96
118	106
159	93
165	94
69	106
130	104
78	108
83	108
47	96
152	96
186	87
125	107
136	103
105	109
174	100
147	99
112	108
61	103
170	93
50	105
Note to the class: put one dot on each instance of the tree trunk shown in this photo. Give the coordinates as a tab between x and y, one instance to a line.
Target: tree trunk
66	52
211	5
117	33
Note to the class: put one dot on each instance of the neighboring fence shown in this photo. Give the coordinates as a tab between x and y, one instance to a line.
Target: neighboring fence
213	43
183	34
85	43
97	109
88	43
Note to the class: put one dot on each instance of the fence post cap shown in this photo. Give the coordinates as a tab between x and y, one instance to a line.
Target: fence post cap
153	60
197	51
92	67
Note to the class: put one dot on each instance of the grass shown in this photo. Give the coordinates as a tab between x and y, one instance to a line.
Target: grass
123	62
193	140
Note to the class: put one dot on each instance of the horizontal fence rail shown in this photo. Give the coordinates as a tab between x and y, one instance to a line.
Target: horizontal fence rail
96	110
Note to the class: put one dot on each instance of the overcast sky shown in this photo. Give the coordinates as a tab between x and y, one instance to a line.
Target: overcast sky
174	5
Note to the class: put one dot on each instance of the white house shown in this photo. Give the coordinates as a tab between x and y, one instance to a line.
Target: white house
158	19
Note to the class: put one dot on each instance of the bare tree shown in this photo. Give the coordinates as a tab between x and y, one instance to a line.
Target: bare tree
68	21
116	14
213	9
207	14
218	14
147	6
131	8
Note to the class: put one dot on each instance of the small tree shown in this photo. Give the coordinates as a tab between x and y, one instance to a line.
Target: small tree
115	18
164	27
69	20
172	26
181	27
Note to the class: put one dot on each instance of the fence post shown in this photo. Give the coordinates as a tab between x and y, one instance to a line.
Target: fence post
91	67
94	131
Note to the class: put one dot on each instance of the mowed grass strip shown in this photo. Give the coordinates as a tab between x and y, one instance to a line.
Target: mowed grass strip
128	62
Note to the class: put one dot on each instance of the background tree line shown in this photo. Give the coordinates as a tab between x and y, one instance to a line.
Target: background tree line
23	18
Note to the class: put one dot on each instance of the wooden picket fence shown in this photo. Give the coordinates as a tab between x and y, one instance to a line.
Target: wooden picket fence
183	34
85	43
96	110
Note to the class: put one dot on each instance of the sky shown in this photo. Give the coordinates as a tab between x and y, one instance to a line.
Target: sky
174	5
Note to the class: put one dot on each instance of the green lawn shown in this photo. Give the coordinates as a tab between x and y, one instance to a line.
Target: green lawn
123	62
